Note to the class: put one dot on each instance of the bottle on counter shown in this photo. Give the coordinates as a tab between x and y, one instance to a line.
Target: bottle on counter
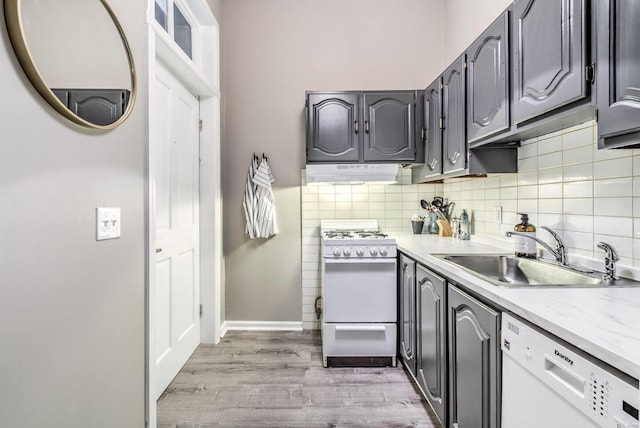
465	226
525	247
433	225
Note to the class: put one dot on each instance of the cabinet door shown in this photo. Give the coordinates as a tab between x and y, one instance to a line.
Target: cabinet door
549	51
407	313
618	73
389	120
98	106
474	362
333	127
432	115
454	136
488	81
432	339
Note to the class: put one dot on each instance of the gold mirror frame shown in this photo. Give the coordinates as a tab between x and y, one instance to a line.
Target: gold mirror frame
15	29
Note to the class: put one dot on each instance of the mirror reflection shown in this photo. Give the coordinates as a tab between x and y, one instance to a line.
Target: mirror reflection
79	52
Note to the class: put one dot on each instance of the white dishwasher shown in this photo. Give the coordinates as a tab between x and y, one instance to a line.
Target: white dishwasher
546	383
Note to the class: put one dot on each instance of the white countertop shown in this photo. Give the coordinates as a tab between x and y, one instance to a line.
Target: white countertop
604	322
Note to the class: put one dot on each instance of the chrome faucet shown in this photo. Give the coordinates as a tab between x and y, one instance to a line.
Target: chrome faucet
559	252
610	259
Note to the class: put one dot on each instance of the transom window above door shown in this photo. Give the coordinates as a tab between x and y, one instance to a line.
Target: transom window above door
171	16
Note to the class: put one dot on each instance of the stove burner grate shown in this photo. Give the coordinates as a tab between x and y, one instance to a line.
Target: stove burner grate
372	235
335	234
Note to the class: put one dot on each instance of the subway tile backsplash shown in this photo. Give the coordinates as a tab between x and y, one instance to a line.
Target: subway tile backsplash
564	182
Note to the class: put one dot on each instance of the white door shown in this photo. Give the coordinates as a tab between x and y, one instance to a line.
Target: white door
175	293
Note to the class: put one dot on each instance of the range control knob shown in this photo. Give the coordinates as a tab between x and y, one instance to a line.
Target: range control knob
360	251
383	251
373	251
347	251
336	251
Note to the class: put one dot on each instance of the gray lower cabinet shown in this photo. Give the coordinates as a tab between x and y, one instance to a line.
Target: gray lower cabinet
474	362
431	296
550	55
407	336
454	135
618	27
357	127
488	82
333	127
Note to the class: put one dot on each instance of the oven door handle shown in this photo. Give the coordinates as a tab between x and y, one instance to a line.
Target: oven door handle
387	260
360	328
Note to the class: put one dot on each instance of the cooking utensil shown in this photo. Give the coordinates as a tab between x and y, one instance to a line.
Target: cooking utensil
449	210
437	212
424	204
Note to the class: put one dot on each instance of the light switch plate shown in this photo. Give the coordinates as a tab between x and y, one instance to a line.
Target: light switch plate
498	214
107	223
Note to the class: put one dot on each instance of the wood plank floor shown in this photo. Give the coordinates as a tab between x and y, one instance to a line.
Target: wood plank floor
276	379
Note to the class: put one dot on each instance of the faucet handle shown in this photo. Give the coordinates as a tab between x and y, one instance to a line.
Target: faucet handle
612	254
610	259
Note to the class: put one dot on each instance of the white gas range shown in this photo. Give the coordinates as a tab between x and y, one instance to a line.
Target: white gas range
359	294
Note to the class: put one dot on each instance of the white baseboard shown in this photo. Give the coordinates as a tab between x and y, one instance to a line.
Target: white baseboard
260	326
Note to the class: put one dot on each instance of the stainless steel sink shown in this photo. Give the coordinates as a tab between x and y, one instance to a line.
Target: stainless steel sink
511	271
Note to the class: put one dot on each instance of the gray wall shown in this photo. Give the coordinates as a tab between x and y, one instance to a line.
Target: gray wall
272	52
71	308
465	20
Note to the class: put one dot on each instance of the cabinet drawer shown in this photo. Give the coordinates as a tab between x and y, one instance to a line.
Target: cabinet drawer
359	340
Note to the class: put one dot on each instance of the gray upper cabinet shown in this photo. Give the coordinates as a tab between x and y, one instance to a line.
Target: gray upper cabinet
432	132
618	73
488	82
355	127
549	56
98	106
454	136
408	313
474	362
389	126
446	150
431	312
333	127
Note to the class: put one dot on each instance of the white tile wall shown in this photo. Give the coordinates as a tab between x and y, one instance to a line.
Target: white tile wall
584	194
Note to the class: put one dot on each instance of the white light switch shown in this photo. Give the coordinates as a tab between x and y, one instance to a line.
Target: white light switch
107	223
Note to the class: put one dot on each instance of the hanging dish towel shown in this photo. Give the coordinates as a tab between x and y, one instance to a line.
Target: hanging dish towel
249	201
265	209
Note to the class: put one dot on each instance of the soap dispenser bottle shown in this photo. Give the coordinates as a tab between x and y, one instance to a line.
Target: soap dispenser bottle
525	247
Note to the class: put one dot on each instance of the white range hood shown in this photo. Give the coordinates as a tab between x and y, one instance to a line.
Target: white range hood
351	173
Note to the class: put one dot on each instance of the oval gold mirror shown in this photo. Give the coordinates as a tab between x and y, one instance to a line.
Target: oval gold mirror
76	55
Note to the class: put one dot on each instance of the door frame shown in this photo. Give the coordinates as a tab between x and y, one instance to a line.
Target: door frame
202	77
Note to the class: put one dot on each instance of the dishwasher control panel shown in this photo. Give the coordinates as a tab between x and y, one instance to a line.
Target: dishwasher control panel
609	398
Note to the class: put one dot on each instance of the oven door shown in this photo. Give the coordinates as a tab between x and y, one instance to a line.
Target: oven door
359	290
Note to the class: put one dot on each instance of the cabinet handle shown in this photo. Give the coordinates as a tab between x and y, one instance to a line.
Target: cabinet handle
441	123
424	134
422	281
366	126
356	127
433	164
158	250
454	158
404	267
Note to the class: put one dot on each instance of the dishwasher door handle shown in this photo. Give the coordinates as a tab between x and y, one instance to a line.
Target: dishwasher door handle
565	376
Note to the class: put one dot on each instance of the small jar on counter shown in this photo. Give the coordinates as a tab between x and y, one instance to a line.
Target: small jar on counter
465	226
